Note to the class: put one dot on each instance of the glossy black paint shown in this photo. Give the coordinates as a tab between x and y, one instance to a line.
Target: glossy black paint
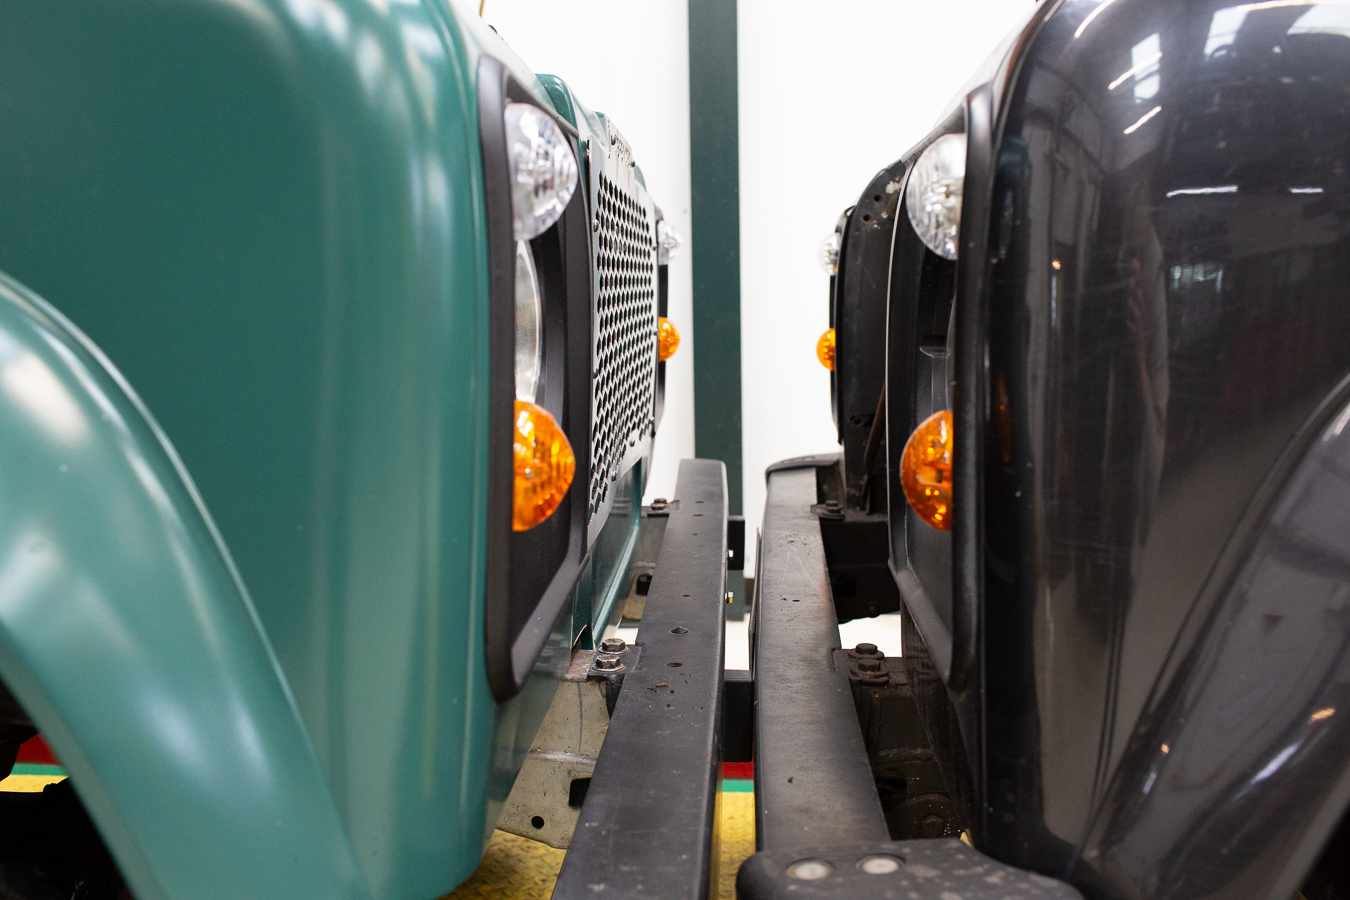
1240	767
1168	311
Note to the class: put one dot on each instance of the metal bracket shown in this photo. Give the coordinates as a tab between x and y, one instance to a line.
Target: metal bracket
642	567
546	799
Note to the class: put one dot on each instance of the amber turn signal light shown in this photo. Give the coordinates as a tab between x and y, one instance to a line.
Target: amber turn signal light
667	339
825	349
544	466
926	470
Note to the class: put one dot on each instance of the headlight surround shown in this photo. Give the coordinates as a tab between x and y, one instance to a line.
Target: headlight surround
529	324
543	169
934	192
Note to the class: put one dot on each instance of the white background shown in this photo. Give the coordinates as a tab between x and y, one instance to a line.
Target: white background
829	94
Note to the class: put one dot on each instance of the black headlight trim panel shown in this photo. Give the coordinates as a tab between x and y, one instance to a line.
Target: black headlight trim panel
530	574
920	294
858	316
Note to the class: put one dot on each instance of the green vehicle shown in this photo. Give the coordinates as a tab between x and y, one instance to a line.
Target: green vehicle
331	358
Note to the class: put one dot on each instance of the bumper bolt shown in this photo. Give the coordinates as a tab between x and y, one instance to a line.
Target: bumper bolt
613	645
608	663
866	651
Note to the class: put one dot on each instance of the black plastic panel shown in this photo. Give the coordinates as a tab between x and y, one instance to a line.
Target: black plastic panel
531	574
858	315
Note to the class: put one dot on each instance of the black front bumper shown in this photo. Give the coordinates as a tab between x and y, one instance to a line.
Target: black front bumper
648	829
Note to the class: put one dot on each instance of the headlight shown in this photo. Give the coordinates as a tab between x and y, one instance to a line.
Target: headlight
829	248
933	194
529	324
667	243
543	170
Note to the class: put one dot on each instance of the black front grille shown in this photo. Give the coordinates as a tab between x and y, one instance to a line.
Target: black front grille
625	333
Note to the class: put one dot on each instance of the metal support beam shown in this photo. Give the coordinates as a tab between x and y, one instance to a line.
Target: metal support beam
813	783
646	829
714	169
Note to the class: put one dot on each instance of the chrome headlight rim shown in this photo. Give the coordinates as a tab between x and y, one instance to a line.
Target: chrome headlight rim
529	324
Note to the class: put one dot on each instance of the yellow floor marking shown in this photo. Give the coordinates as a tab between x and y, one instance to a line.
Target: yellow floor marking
737	835
513	868
29	784
517	868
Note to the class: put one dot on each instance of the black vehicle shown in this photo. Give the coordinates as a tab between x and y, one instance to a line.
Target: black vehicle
1122	262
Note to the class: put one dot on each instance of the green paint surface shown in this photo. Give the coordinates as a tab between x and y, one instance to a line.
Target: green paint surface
269	216
716	240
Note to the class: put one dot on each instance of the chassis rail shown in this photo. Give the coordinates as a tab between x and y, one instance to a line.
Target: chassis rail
647	827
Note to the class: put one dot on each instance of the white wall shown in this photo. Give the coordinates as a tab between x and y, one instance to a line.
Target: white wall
830	93
630	61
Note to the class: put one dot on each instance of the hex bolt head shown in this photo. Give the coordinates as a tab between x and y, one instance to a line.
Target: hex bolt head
868	667
613	645
865	651
932	825
608	663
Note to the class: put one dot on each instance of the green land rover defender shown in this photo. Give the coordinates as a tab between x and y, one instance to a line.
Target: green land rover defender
331	359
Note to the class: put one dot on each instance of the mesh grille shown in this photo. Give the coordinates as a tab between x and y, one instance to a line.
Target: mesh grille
625	333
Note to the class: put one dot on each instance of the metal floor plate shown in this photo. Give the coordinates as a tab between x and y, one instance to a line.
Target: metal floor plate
517	868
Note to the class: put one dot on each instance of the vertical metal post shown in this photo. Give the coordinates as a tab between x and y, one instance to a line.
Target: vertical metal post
716	240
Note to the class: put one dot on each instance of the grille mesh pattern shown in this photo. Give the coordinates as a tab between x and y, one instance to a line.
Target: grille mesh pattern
625	334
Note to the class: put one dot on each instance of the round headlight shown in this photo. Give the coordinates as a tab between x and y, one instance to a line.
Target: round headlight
543	170
829	248
529	324
933	194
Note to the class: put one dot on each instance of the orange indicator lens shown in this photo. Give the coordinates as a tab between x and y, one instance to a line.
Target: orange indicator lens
667	340
544	466
825	349
926	470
